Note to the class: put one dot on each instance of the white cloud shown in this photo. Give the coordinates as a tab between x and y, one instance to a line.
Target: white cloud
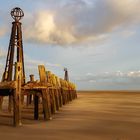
114	77
1	68
80	21
127	34
31	66
89	74
2	53
33	63
92	81
53	65
134	74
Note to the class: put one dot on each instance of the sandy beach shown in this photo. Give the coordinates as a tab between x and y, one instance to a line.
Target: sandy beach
93	116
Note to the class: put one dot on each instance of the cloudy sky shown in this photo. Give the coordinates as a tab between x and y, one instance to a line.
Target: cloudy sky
97	40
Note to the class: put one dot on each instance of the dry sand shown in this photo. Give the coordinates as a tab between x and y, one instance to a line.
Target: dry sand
93	116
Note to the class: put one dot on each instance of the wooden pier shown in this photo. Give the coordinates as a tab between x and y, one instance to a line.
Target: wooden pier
50	91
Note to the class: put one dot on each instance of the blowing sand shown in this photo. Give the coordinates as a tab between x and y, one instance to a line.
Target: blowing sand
93	116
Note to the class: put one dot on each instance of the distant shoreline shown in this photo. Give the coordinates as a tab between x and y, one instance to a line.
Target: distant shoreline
109	91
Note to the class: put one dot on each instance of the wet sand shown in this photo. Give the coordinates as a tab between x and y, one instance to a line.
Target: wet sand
93	116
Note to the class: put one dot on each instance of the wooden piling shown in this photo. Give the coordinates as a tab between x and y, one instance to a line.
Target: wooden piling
46	104
36	107
29	96
57	99
45	93
17	96
53	103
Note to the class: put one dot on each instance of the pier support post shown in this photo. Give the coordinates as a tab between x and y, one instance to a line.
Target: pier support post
17	95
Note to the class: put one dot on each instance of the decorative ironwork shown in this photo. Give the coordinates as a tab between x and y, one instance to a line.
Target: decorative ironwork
17	13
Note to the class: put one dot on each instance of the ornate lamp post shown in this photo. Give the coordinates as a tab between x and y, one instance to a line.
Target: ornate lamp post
15	47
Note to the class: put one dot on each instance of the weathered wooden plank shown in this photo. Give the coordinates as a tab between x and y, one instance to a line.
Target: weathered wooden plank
34	88
8	85
42	74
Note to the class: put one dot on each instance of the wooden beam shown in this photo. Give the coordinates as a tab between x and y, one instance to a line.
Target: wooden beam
8	85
